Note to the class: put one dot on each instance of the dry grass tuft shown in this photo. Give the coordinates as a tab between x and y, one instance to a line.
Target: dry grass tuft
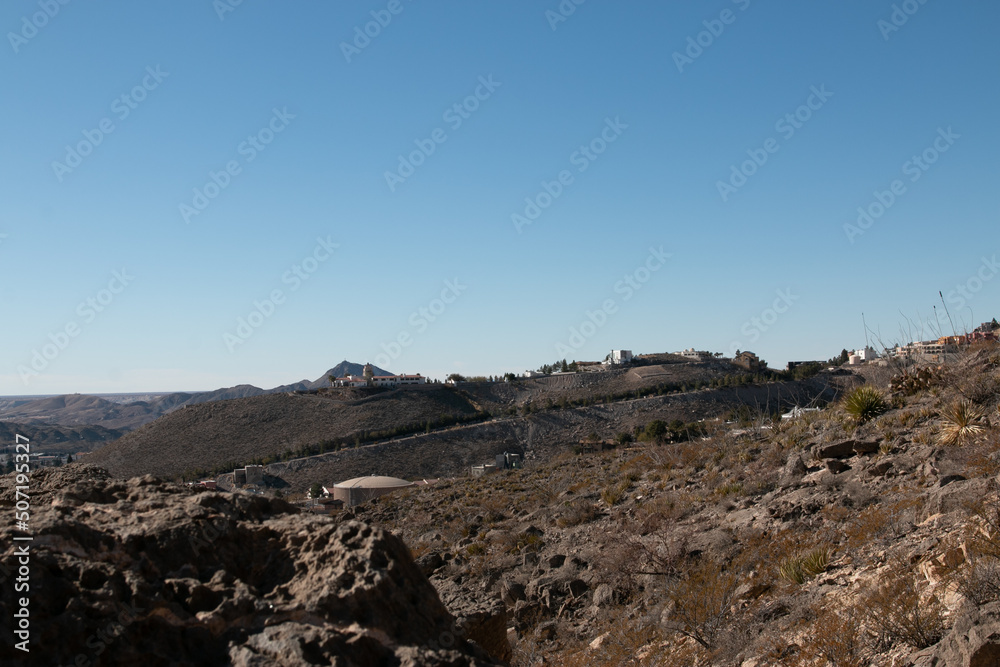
963	421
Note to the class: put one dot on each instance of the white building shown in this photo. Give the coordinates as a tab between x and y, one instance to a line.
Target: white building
695	355
398	380
379	381
866	354
620	357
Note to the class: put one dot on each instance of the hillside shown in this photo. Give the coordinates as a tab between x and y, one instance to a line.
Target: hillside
865	534
66	439
543	434
208	435
617	383
81	409
204	438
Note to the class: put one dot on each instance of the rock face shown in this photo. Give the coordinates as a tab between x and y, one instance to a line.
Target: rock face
146	572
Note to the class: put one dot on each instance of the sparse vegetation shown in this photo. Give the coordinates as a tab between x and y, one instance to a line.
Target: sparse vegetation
865	403
801	568
962	422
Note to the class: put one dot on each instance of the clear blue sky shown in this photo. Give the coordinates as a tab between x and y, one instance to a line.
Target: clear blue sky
203	85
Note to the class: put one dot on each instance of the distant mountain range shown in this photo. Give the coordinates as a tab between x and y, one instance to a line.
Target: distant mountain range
86	410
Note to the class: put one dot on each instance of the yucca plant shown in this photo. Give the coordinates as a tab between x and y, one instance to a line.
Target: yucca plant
816	561
797	570
865	403
962	422
791	570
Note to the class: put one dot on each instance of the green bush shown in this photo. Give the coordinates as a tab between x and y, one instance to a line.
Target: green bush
865	403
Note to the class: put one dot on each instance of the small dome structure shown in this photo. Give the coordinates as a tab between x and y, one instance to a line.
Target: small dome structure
362	489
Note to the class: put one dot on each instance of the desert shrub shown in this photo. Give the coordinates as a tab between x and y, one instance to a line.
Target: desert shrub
578	512
881	521
962	422
865	403
839	639
624	438
729	489
615	492
896	612
701	603
979	580
912	381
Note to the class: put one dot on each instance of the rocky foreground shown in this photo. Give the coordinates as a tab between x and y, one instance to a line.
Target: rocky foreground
144	572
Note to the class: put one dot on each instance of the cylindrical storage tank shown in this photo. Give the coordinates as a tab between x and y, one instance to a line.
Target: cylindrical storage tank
362	489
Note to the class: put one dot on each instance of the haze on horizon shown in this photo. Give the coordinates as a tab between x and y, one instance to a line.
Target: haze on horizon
203	194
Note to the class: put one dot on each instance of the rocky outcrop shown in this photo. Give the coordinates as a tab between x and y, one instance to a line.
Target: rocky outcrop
147	572
974	640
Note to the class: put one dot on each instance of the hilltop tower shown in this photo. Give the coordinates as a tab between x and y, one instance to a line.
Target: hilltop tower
368	373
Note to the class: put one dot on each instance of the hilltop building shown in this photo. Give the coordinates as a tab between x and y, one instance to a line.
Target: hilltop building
619	357
695	355
749	361
369	379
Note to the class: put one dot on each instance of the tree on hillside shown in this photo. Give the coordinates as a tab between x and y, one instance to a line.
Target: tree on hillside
656	430
316	490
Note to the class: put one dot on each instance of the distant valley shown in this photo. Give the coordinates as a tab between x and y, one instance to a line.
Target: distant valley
82	422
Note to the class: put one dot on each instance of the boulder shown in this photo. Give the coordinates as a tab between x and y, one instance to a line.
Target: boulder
974	640
836	467
837	450
866	447
794	470
166	575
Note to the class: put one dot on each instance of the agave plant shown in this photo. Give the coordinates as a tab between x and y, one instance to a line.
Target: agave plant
865	403
962	422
